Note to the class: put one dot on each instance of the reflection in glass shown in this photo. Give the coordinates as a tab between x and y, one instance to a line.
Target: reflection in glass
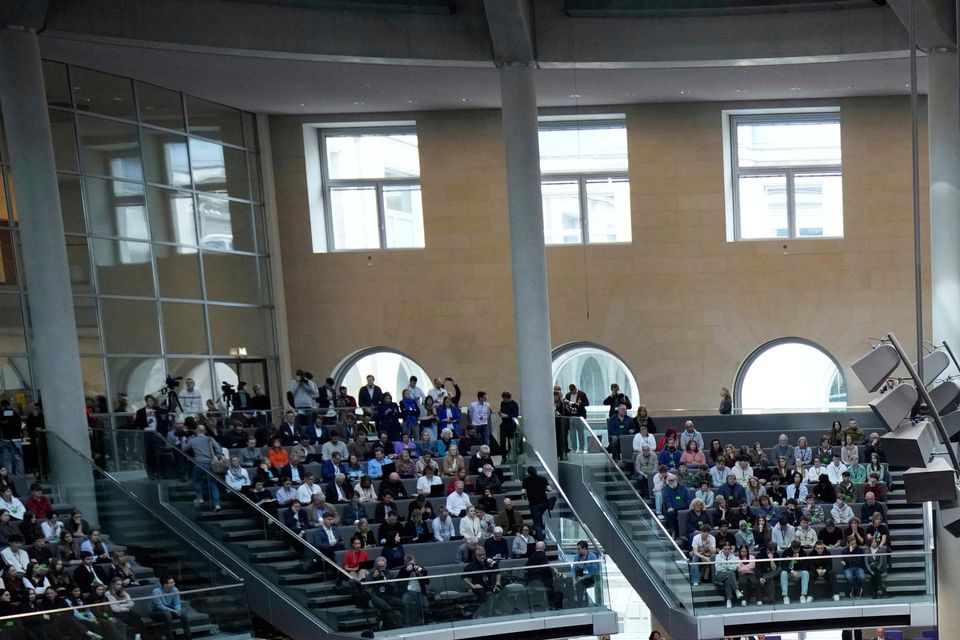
792	375
819	204
561	212
788	143
178	271
98	92
116	208
593	370
134	378
234	327
231	277
8	262
214	121
259	229
56	84
78	261
109	148
165	159
12	339
94	382
353	214
171	217
583	149
88	327
218	169
130	326
225	225
372	156
64	136
608	210
184	328
763	207
71	203
403	216
160	107
391	370
123	268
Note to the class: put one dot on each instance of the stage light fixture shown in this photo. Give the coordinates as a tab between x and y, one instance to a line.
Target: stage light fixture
874	368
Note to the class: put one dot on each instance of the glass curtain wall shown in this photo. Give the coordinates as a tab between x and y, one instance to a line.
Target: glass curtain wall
15	380
165	234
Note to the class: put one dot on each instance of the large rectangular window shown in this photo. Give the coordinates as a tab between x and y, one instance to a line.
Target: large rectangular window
586	191
371	189
786	176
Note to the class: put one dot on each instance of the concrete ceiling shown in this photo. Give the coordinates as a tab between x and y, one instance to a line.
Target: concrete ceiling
276	85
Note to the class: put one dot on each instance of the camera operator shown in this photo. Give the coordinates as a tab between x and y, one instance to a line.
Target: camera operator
615	399
381	594
414	591
302	396
11	427
481	577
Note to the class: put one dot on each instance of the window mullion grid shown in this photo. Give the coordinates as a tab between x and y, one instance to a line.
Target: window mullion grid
381	216
792	230
584	218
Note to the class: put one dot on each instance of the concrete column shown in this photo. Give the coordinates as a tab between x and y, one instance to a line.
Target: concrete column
53	344
528	254
943	121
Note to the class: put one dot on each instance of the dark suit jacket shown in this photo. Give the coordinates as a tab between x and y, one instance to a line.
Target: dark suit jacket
368	399
140	420
288	435
296	522
84	579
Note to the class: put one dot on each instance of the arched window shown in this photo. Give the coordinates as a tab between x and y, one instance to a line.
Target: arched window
391	369
790	373
593	369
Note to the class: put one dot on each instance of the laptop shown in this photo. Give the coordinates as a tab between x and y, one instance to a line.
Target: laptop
388	469
436	490
366	564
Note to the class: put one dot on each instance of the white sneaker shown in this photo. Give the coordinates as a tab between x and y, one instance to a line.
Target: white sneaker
729	604
759	603
695	584
739	595
836	597
786	599
743	603
198	501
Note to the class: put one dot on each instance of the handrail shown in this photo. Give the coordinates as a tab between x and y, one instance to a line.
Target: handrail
627	482
94	605
559	489
231	491
139	502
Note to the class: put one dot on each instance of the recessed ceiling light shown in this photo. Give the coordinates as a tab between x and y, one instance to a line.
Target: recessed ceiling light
794	88
464	99
411	102
303	104
359	102
574	95
683	92
739	90
117	98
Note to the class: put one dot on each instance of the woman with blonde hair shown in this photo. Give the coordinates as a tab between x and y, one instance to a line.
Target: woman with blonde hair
452	463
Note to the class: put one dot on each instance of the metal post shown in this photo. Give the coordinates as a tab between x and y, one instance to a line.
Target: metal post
915	155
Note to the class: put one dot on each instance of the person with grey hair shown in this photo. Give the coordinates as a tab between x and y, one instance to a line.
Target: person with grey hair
488	480
523	543
496	545
466	551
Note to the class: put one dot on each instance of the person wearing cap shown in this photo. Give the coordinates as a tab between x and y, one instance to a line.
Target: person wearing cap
794	569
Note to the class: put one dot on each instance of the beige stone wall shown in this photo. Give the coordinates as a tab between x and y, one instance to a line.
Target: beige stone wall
681	305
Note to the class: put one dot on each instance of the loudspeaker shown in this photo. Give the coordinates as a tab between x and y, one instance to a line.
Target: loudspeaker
895	405
874	368
945	396
949	514
937	481
910	445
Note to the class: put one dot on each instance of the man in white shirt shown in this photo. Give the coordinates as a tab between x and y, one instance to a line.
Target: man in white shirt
438	392
480	416
814	472
52	528
835	470
334	444
14	556
702	548
458	501
12	504
191	402
308	489
442	526
644	438
427	480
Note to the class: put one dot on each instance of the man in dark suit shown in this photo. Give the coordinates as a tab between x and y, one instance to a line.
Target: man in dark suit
577	402
87	575
153	418
370	397
289	433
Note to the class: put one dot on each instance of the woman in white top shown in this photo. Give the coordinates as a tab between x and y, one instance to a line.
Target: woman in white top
366	490
237	477
643	438
470	525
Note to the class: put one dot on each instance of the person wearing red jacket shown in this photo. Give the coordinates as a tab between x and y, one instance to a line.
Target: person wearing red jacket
39	504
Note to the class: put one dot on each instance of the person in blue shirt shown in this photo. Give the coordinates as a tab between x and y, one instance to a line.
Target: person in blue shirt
670	455
583	575
166	607
449	417
674	499
410	410
732	490
375	466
